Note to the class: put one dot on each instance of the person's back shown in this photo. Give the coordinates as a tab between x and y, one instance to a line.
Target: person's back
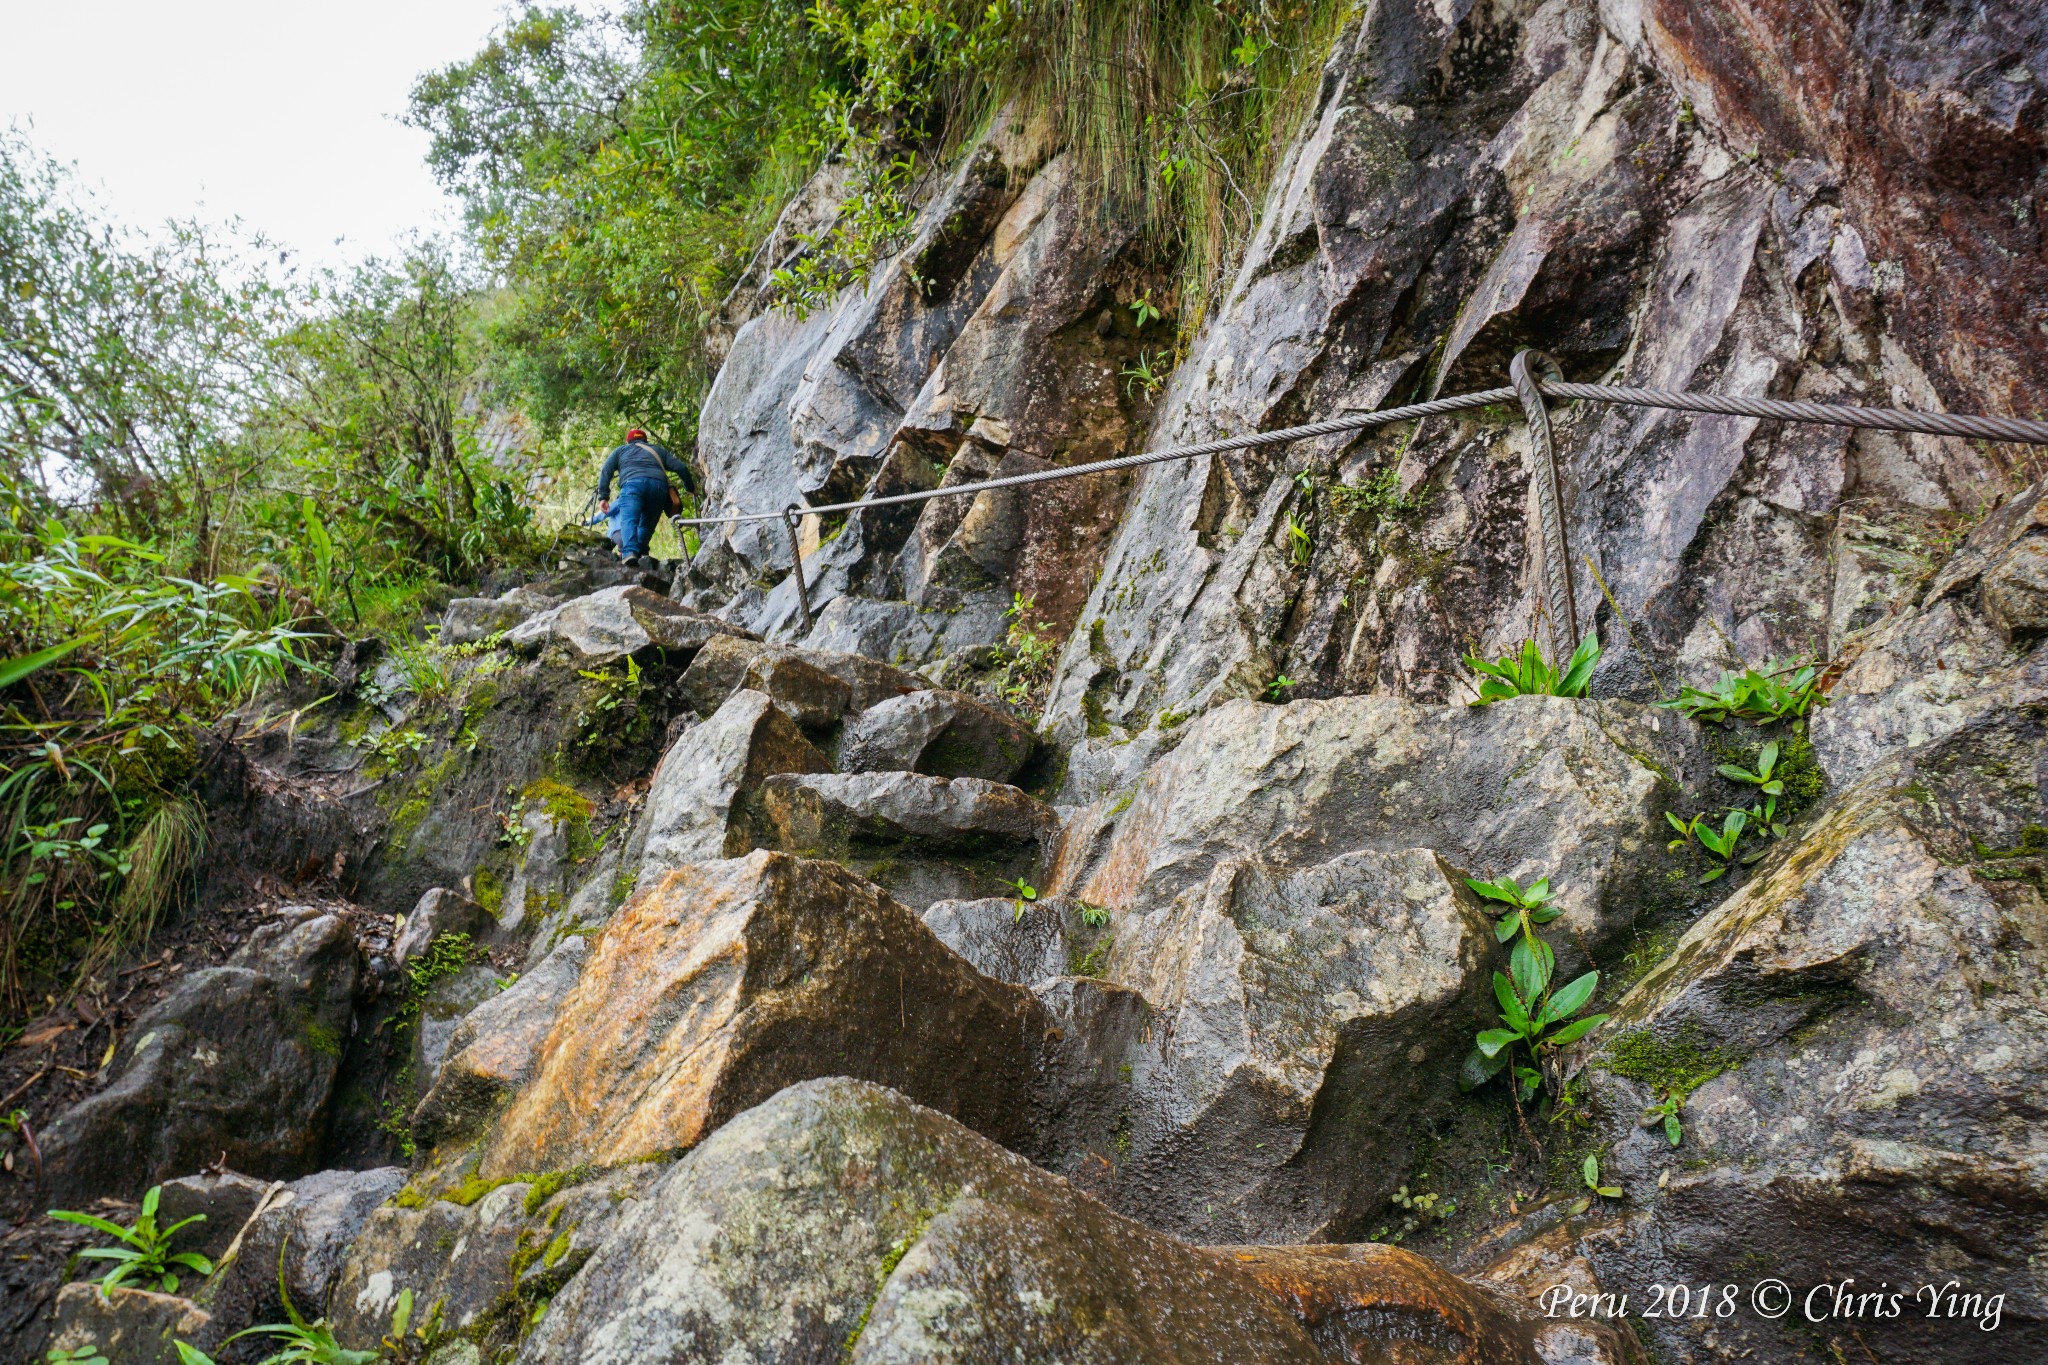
642	469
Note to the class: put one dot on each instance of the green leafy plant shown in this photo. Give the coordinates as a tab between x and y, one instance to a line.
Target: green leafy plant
1720	843
1143	310
1529	674
1300	545
1025	892
1094	916
1527	907
78	1355
1761	778
1664	1113
1589	1171
1280	683
1148	371
1538	1021
1775	692
145	1253
1029	652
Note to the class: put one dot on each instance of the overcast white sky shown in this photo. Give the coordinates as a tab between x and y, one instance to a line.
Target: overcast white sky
279	112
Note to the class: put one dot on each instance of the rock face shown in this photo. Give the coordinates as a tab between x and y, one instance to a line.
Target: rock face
925	838
1964	654
1532	787
495	1048
1307	1022
239	1059
939	734
1852	1036
696	805
302	1233
839	1221
727	981
612	623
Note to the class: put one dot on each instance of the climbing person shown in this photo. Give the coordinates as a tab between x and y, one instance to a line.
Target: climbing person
642	469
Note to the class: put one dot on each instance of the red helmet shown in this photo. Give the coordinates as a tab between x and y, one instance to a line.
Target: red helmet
636	435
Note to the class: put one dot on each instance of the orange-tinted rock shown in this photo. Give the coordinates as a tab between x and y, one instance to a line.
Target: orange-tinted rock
728	981
1375	1303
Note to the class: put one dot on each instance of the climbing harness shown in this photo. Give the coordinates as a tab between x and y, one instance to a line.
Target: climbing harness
1536	377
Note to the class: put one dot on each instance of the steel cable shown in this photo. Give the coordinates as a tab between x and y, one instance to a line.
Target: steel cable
1837	414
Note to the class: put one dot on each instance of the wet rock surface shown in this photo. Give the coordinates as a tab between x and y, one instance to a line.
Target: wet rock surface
925	838
726	981
837	1219
939	734
239	1059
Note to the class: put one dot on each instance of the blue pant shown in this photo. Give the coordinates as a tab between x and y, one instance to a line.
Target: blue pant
637	513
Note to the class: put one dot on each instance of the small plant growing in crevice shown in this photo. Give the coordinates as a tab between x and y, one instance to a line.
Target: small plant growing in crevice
1143	310
145	1254
1029	651
1589	1171
1025	892
1529	674
1094	916
1664	1113
1148	370
1777	691
1527	907
1761	777
1300	545
1537	1019
1720	845
1280	683
77	1355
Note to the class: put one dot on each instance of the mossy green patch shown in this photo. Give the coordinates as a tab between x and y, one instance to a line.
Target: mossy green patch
490	891
1677	1065
474	1187
546	1187
323	1039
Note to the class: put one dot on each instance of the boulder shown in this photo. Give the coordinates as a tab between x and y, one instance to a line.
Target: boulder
731	662
129	1326
1533	787
226	1201
840	1221
939	734
726	981
495	1047
470	620
811	697
612	623
1310	1022
1376	1302
1023	944
303	1232
696	804
1854	1041
488	1252
440	911
925	838
238	1060
906	634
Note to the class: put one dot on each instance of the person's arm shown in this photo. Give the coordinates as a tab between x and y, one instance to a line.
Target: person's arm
679	469
604	480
